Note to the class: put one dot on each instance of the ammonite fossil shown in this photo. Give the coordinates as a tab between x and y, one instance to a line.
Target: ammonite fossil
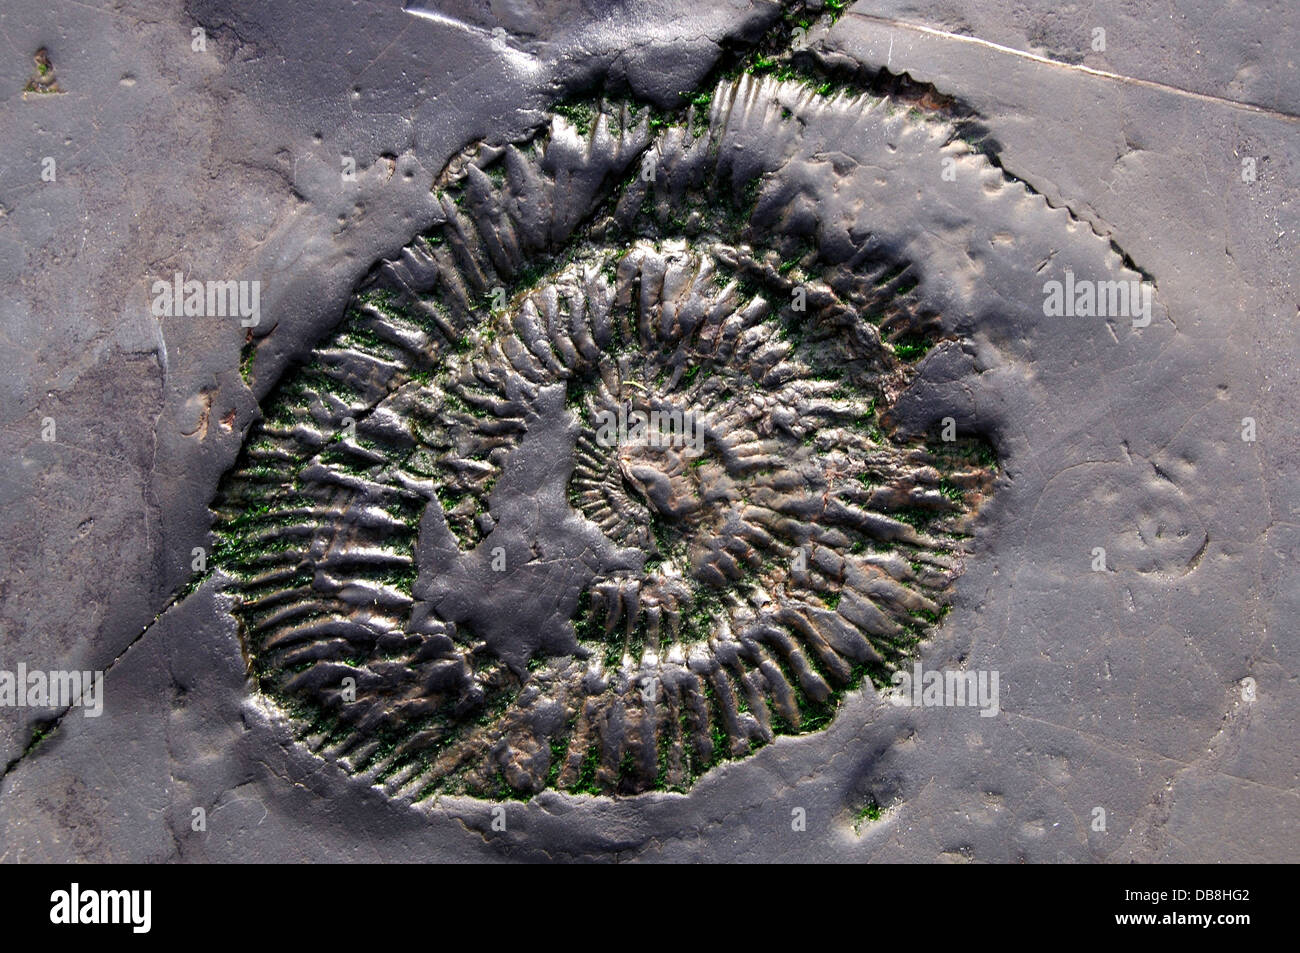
594	486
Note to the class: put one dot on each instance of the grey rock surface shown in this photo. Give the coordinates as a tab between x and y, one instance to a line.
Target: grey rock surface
1162	690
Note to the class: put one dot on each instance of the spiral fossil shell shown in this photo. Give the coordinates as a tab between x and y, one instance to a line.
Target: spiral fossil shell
593	487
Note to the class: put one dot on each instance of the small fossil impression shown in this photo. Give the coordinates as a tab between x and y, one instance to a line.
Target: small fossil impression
594	487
